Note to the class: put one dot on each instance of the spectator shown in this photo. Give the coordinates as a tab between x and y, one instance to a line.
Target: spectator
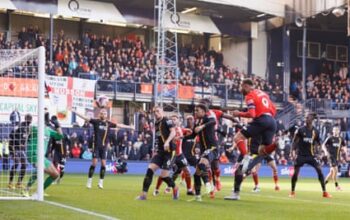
134	153
145	150
76	150
15	117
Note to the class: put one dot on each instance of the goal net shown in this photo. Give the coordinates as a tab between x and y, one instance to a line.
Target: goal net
22	91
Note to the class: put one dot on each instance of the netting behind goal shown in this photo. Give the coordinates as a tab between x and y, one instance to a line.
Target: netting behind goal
22	92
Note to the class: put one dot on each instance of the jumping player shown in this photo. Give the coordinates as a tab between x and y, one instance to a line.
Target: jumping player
332	147
181	164
165	154
304	142
215	173
205	129
263	125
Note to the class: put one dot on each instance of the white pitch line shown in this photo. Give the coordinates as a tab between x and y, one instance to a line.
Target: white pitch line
81	210
301	200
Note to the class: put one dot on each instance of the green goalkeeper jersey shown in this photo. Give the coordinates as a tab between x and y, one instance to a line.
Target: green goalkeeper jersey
32	146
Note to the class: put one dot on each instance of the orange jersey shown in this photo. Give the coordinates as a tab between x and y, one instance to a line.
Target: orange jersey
259	102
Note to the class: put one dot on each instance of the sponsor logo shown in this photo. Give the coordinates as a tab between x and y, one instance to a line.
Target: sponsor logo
229	170
175	18
287	171
74	6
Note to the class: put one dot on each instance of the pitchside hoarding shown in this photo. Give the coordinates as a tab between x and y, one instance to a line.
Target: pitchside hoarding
140	168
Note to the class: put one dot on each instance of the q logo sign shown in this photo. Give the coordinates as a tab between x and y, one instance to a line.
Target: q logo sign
175	18
73	5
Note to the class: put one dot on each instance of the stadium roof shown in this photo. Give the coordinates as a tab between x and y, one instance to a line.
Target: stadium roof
212	8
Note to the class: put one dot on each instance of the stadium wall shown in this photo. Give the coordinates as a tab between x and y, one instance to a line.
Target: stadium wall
235	51
3	22
259	51
139	168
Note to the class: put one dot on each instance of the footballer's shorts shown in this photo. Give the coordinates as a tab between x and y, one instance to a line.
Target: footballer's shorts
264	126
333	161
253	145
162	160
191	160
99	153
181	161
301	160
269	158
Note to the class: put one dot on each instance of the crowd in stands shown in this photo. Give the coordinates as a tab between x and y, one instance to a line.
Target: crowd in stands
127	60
332	83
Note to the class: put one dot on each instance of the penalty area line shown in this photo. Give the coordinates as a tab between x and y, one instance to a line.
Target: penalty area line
102	216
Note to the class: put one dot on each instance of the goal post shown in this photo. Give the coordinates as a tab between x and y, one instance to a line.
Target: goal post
22	96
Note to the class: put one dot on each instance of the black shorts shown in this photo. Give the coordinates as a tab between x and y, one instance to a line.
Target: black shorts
57	156
162	160
264	126
301	160
191	160
253	144
100	153
181	161
333	161
269	158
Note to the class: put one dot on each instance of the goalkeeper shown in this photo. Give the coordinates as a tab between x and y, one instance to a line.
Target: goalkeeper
32	149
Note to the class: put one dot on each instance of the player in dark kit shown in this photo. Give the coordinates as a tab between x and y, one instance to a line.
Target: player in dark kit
102	128
214	173
262	110
332	147
304	142
18	146
253	145
181	164
205	130
59	151
164	157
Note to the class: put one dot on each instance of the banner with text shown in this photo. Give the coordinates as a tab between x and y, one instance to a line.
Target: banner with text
23	105
18	87
65	92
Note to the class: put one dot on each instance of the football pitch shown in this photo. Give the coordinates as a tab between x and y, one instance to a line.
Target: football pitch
71	200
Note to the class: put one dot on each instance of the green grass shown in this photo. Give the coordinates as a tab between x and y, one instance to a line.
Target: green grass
118	200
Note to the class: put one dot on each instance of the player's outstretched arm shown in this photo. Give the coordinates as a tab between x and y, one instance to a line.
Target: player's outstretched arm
86	118
131	127
230	117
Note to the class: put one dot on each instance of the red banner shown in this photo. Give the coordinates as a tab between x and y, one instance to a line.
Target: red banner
146	88
18	87
186	92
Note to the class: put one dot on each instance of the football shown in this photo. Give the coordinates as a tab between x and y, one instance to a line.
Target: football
102	101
